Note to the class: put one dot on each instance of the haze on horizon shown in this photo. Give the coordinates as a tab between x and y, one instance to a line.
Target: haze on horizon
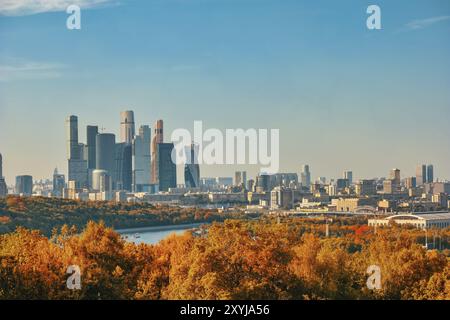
344	97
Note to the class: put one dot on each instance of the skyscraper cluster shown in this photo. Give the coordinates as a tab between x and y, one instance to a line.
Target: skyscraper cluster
134	163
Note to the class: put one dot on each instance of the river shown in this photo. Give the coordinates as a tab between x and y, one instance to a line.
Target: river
152	235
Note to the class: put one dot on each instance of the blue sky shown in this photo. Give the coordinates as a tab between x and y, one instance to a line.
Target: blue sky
344	97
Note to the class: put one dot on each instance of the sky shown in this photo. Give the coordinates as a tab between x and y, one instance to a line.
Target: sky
343	97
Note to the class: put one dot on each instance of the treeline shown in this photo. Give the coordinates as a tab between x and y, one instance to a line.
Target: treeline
233	260
44	214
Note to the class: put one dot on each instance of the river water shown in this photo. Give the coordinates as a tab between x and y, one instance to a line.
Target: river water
153	235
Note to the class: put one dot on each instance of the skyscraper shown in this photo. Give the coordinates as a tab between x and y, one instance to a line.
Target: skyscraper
166	171
24	185
91	133
105	144
306	176
1	166
421	174
77	165
191	167
123	172
158	137
394	175
59	183
349	176
430	174
127	129
142	160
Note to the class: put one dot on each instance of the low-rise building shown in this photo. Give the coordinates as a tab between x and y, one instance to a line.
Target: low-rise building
438	220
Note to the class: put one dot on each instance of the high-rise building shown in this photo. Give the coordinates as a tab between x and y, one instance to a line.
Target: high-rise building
105	144
421	174
349	176
166	170
77	165
72	137
142	160
59	183
127	129
410	182
91	134
24	185
394	175
306	176
430	174
3	186
123	167
158	137
191	167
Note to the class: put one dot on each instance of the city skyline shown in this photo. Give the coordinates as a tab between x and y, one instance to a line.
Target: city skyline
344	97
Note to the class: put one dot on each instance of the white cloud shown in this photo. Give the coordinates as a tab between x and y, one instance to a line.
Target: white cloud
29	7
25	70
423	23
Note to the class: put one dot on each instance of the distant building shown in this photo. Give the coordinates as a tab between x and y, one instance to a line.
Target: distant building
366	188
127	128
77	164
348	175
306	176
421	221
395	176
123	168
91	133
410	182
281	198
263	183
105	153
421	174
3	186
166	172
351	204
191	167
430	173
24	185
142	160
59	183
158	137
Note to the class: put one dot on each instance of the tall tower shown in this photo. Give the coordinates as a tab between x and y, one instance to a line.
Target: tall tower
306	176
158	138
192	168
105	144
166	170
141	160
394	175
91	133
1	166
72	138
127	126
77	165
430	174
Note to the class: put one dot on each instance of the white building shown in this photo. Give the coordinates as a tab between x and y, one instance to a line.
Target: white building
438	220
